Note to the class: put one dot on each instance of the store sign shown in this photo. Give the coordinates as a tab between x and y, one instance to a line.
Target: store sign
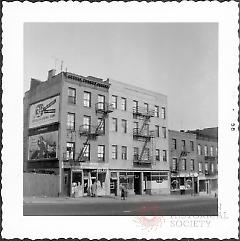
43	146
44	112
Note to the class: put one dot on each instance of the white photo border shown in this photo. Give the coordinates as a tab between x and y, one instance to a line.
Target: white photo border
14	224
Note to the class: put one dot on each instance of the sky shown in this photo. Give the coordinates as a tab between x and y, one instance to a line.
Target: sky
179	60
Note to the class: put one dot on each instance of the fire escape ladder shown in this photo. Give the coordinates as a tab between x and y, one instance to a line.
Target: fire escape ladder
145	121
143	149
96	132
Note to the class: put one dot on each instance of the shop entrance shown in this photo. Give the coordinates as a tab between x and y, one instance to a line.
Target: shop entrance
137	183
66	183
113	187
195	187
86	186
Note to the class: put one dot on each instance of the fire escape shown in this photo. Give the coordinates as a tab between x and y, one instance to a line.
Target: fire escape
145	156
89	132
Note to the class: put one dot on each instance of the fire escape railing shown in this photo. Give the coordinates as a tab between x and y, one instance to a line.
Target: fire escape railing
143	134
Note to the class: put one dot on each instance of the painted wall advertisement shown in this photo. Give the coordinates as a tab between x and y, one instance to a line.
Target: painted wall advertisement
43	146
44	112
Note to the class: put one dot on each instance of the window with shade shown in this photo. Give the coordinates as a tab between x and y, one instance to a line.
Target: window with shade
164	155
192	164
101	152
156	111
174	164
123	103
184	164
71	121
86	99
114	151
71	95
114	101
124	126
70	150
86	154
124	152
163	113
157	155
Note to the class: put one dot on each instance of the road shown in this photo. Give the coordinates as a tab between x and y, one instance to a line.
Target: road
185	207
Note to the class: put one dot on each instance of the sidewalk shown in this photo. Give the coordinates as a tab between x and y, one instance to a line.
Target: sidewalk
111	199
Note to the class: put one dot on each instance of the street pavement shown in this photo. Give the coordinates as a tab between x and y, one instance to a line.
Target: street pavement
164	205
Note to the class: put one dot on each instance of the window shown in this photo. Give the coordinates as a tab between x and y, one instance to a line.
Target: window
206	167
101	124
163	113
146	107
174	164
101	102
123	103
86	99
184	164
124	152
87	151
164	132
71	121
86	122
157	155
114	124
183	145
174	144
135	125
156	111
71	95
135	106
101	153
216	151
146	129
124	126
200	166
199	149
70	150
114	151
192	165
212	167
205	150
164	155
146	153
192	145
211	151
157	131
114	101
135	153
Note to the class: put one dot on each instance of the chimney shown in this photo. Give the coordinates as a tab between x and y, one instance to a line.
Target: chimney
34	83
51	73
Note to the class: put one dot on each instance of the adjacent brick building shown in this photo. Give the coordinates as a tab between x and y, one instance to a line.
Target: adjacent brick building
207	157
183	162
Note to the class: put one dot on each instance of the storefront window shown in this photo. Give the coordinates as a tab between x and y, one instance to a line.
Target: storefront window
77	177
174	184
126	180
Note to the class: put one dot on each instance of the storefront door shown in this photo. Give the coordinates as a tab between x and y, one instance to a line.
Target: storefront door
86	186
67	183
137	182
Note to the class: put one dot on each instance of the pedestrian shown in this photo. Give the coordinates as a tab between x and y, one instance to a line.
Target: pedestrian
123	193
91	188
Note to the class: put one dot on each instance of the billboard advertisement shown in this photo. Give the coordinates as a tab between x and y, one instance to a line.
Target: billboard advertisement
43	146
44	112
